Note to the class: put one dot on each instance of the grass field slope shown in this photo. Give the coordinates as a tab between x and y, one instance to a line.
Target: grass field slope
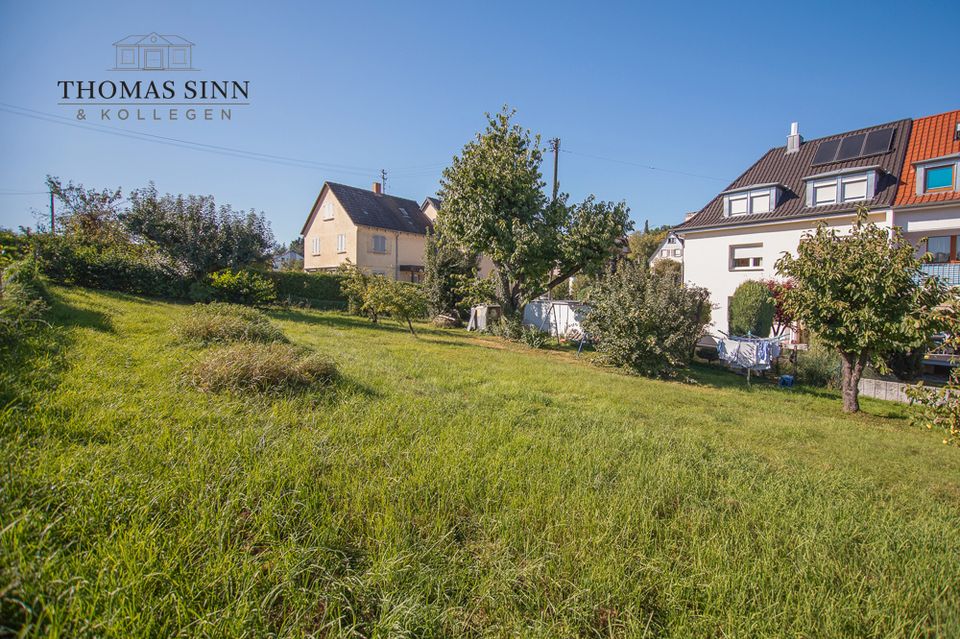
452	486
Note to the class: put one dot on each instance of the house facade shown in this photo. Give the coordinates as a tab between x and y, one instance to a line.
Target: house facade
670	249
742	231
379	233
927	206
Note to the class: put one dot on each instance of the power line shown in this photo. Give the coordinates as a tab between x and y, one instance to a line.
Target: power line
645	166
200	146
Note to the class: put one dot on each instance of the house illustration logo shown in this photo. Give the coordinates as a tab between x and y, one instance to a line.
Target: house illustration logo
154	52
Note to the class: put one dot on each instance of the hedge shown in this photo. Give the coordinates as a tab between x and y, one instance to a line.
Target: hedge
317	290
117	267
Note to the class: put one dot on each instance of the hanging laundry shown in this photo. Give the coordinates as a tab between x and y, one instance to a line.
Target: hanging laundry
755	354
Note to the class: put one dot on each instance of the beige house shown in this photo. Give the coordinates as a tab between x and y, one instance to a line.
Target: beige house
379	233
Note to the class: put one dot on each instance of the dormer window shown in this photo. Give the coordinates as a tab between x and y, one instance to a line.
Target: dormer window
938	175
751	200
857	184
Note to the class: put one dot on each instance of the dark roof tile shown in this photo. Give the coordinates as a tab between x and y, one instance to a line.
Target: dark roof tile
777	166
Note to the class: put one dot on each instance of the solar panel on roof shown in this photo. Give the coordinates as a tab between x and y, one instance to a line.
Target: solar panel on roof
878	142
851	146
826	152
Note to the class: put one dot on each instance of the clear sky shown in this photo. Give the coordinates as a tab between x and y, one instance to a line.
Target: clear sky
353	87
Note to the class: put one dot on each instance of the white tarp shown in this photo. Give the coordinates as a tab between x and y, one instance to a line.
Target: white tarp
558	317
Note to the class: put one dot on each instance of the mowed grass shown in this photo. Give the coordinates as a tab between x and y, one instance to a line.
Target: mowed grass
454	486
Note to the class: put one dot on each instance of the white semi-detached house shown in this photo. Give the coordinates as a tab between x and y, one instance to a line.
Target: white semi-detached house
766	211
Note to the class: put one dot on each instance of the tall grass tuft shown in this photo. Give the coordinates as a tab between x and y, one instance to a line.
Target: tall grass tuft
265	368
220	323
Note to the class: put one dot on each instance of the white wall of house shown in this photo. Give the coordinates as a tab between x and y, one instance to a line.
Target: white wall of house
709	255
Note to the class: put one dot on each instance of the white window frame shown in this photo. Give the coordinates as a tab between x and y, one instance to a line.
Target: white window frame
749	194
327	211
847	180
756	260
315	245
936	163
838	181
677	252
342	243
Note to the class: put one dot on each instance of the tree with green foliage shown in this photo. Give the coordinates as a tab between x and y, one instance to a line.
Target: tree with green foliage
402	301
939	407
494	203
197	233
88	214
864	295
446	266
641	320
752	309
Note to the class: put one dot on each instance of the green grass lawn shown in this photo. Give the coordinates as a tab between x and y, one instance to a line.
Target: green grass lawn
453	485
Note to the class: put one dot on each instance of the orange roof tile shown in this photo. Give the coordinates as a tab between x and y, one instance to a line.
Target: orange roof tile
932	137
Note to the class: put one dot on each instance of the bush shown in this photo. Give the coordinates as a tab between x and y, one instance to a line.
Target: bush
13	247
400	300
640	320
222	323
264	368
242	287
752	309
318	290
818	365
534	337
22	300
939	408
129	268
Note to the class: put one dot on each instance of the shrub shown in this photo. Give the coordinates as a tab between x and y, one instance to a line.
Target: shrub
640	320
22	300
321	290
129	268
534	337
222	323
264	368
818	365
242	287
752	309
400	300
13	247
939	408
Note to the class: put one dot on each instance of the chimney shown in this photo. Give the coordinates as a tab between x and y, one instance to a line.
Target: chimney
687	216
377	188
956	132
794	140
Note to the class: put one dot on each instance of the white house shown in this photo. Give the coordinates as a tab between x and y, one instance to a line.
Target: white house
671	248
740	233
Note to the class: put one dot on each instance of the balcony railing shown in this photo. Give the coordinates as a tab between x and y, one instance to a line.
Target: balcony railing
949	273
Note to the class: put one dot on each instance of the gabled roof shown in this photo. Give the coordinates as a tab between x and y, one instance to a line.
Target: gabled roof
154	39
430	200
789	170
366	208
932	137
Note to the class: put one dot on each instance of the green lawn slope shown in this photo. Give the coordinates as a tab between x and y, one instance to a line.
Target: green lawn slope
455	486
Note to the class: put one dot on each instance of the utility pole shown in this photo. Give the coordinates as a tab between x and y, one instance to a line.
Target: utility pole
383	180
53	215
555	144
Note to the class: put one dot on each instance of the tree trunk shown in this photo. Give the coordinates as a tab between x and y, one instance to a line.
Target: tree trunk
852	371
410	326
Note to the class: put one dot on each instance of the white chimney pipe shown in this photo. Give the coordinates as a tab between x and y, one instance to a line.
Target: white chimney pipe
794	140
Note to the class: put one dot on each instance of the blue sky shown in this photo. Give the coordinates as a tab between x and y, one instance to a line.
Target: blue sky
694	88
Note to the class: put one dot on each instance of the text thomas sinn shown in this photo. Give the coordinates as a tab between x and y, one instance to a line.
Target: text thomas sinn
149	100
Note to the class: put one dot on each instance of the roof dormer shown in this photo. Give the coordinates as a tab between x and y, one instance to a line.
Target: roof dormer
751	200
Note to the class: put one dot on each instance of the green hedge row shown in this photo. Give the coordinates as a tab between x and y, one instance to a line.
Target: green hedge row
142	270
318	290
